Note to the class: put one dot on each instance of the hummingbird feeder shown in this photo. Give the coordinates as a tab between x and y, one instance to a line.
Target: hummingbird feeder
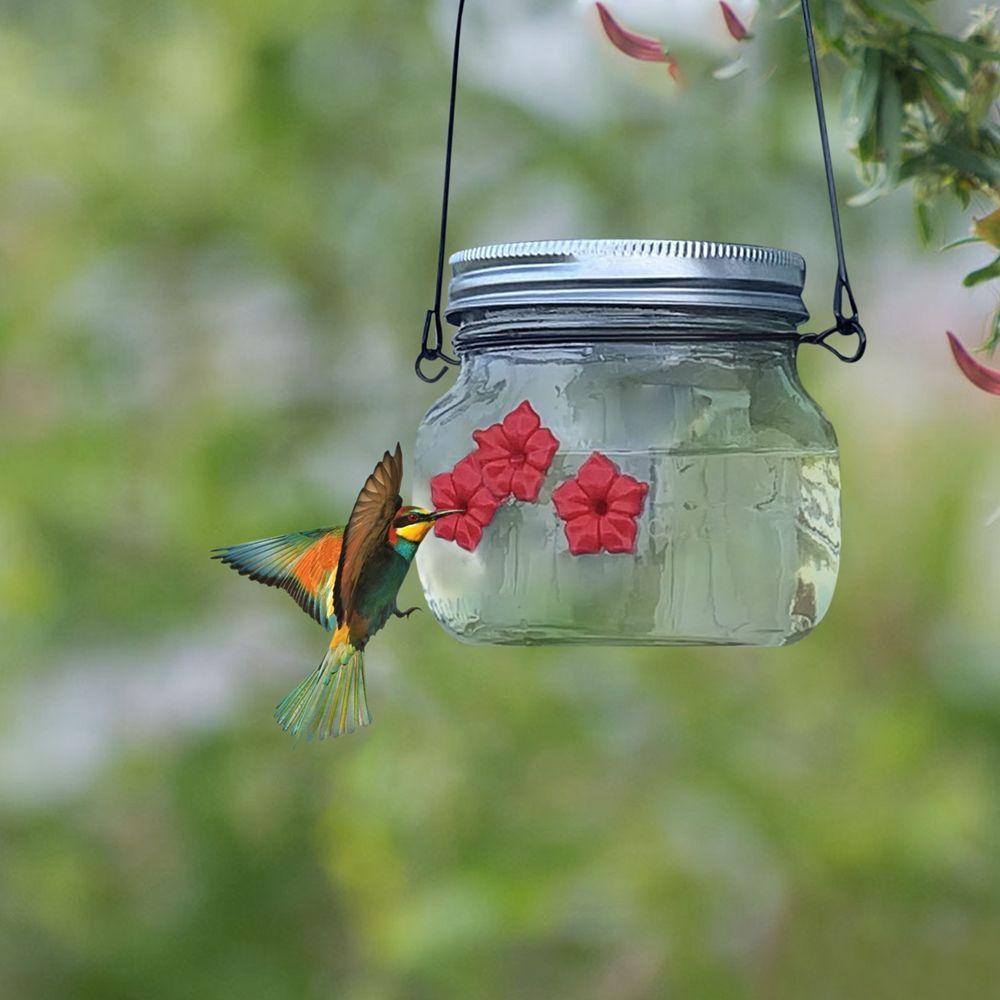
634	456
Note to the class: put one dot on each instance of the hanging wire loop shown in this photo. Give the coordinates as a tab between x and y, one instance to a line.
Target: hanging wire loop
430	353
848	325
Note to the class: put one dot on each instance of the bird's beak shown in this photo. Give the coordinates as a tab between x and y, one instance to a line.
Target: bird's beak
438	514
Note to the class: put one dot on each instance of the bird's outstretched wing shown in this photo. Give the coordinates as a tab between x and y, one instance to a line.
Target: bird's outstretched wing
304	563
367	528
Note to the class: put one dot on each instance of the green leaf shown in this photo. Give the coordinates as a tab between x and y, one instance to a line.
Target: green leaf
977	53
924	225
899	10
987	273
833	20
849	91
868	146
967	161
941	63
914	166
961	243
867	94
878	190
988	228
890	125
993	340
939	99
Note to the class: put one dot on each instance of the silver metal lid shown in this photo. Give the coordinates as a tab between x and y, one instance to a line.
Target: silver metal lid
686	279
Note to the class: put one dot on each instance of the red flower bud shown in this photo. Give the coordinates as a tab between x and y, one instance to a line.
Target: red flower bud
987	379
736	27
637	46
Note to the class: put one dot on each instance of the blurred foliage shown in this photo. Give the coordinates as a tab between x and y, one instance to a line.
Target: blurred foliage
217	224
923	109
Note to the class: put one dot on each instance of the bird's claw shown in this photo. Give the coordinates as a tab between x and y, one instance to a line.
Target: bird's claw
406	613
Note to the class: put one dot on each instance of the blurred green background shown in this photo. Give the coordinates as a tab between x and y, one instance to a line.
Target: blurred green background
217	231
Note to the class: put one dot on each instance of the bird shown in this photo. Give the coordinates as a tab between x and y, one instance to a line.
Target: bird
347	579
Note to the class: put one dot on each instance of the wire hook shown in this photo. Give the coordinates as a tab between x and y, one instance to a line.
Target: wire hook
846	325
436	353
432	353
850	327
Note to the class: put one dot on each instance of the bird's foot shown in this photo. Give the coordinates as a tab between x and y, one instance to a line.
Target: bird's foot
406	613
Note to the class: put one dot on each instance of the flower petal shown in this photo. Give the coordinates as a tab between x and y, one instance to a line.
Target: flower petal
493	443
731	70
618	532
736	27
443	492
540	448
467	477
483	506
497	476
987	379
584	534
526	483
596	476
637	46
570	500
447	526
627	496
469	534
520	424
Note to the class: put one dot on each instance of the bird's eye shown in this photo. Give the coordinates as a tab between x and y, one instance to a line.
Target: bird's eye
414	517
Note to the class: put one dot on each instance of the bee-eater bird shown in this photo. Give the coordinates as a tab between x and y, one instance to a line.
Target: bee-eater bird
347	579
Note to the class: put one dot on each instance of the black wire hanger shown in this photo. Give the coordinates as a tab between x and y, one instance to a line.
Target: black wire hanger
846	324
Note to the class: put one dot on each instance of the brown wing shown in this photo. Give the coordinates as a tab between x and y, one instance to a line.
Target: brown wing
367	528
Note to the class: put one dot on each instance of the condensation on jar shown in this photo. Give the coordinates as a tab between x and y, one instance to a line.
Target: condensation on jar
635	457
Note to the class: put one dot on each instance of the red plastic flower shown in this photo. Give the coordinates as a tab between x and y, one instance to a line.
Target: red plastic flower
600	507
516	453
463	489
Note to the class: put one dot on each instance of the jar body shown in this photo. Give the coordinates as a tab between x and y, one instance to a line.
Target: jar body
738	539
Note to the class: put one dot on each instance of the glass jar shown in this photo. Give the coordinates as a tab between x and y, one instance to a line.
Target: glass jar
637	457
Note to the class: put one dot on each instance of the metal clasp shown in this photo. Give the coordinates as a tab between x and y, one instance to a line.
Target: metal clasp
431	353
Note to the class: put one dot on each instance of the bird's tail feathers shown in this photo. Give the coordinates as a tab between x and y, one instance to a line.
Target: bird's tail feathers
331	701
